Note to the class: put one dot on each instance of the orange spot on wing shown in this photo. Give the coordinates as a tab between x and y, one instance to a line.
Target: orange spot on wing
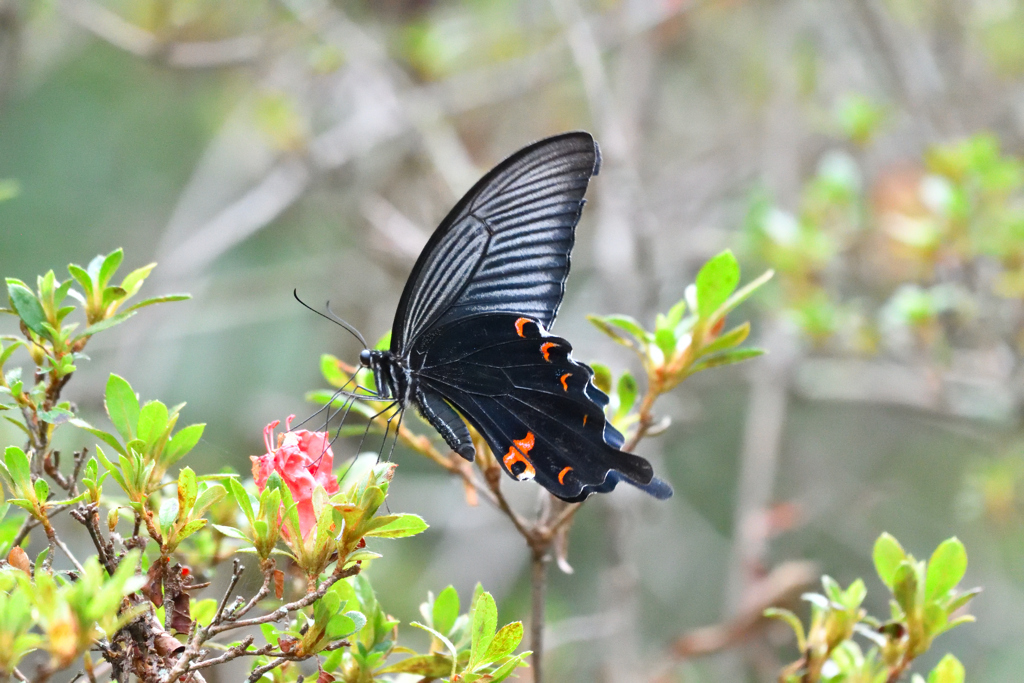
561	475
585	419
545	348
565	380
519	452
519	326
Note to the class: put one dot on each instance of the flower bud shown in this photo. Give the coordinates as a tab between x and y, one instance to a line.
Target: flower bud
113	517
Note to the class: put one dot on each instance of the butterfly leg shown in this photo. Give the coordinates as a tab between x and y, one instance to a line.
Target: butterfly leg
446	421
387	430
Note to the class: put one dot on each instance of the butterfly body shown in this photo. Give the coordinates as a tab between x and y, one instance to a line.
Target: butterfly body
470	340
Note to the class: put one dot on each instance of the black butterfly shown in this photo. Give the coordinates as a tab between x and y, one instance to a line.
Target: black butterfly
470	334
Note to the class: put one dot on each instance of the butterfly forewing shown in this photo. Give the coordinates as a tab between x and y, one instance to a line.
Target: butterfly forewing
505	246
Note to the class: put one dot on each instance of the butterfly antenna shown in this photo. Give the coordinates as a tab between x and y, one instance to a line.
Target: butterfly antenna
335	319
341	321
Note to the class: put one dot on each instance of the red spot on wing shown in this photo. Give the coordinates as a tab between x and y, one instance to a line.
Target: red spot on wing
585	419
519	326
519	452
545	348
565	381
561	475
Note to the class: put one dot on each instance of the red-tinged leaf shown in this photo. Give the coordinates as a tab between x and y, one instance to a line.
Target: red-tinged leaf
181	617
505	641
428	666
154	587
278	584
18	559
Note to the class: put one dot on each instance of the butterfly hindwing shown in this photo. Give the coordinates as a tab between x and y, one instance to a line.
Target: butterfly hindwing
536	406
505	246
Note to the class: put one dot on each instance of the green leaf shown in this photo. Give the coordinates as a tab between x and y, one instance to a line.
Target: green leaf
190	528
614	325
56	416
485	622
948	670
122	406
152	422
441	637
675	314
854	595
935	618
188	489
82	278
291	513
715	282
741	295
168	514
5	352
665	339
428	666
446	610
133	280
27	306
182	442
114	470
401	527
726	358
904	586
210	496
355	621
627	392
730	339
111	262
231	532
203	611
242	500
42	490
106	437
962	600
793	621
105	324
602	377
506	669
330	368
157	300
18	467
505	641
946	568
887	554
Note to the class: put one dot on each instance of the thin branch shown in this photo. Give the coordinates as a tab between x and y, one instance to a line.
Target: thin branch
258	672
236	574
122	34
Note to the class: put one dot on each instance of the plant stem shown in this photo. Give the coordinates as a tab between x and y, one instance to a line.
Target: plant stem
538	589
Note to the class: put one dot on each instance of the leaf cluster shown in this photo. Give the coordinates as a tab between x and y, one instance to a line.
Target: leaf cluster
926	602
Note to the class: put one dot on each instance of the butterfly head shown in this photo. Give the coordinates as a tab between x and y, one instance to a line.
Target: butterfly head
381	363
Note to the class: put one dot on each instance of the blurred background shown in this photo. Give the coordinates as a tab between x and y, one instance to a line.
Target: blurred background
868	150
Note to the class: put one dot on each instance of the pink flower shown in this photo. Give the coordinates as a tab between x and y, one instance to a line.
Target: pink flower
303	459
